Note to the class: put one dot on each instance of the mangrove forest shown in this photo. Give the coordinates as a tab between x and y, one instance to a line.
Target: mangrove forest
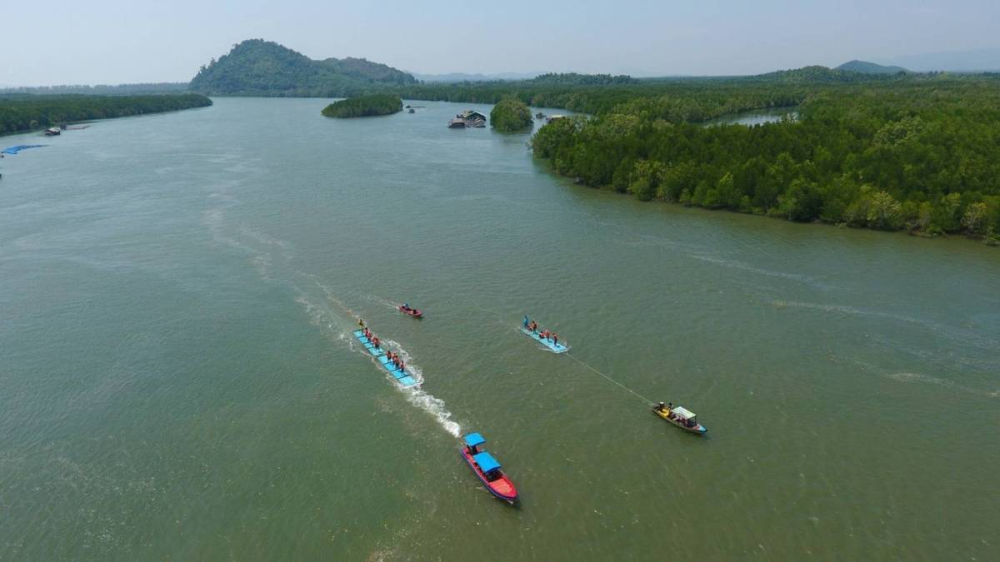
511	115
365	106
24	112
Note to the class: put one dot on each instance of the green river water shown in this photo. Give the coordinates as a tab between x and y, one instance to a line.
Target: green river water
178	380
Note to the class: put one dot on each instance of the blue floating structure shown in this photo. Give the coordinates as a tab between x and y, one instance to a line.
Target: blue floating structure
552	346
19	148
402	377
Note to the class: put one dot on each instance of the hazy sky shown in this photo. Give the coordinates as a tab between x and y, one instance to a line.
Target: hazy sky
117	41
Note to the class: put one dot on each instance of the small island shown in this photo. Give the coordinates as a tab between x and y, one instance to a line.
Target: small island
365	106
511	115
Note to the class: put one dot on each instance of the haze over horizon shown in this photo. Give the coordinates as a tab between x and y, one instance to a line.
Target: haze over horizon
113	41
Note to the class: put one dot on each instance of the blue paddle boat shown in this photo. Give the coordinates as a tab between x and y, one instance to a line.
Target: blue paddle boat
378	352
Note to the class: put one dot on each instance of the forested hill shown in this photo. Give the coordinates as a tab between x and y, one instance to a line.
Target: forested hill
263	68
870	68
818	75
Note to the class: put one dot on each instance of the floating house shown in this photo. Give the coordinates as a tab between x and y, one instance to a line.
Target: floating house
473	115
468	118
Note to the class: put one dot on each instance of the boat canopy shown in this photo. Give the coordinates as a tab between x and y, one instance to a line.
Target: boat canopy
474	440
486	462
683	412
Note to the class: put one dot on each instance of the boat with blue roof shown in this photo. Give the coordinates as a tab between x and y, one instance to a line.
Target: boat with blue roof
487	468
385	358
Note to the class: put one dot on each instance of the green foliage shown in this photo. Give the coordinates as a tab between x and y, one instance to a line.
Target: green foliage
365	106
574	79
27	112
262	68
102	89
909	152
511	115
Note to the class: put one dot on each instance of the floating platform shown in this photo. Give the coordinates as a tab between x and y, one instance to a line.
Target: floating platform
15	149
553	347
402	377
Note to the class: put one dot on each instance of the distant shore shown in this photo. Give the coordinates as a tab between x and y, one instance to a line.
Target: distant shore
27	113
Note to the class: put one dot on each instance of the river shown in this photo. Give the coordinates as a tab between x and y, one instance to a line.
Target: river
179	380
756	117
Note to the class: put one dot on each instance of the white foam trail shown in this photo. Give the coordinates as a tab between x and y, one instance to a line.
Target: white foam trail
435	407
414	395
961	335
909	377
384	302
260	247
736	264
408	359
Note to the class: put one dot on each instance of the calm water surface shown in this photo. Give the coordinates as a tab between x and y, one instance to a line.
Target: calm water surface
178	380
759	117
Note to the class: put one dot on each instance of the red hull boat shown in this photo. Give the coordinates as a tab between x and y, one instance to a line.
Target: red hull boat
487	469
410	311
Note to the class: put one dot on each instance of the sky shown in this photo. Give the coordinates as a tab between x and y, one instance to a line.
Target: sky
116	41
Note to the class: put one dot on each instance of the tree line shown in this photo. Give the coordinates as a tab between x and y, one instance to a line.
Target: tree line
922	155
21	112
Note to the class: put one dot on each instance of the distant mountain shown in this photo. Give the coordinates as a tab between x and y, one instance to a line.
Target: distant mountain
263	68
817	74
865	67
980	60
452	77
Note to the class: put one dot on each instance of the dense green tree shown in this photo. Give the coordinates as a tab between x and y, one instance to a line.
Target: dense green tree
912	151
29	112
511	115
365	106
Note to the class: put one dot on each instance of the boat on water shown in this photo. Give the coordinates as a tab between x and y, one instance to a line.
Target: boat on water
52	132
402	377
456	123
539	115
548	342
487	469
544	337
410	311
681	417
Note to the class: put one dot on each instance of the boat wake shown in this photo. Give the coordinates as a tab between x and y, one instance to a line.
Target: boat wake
327	319
963	336
272	259
911	378
743	266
